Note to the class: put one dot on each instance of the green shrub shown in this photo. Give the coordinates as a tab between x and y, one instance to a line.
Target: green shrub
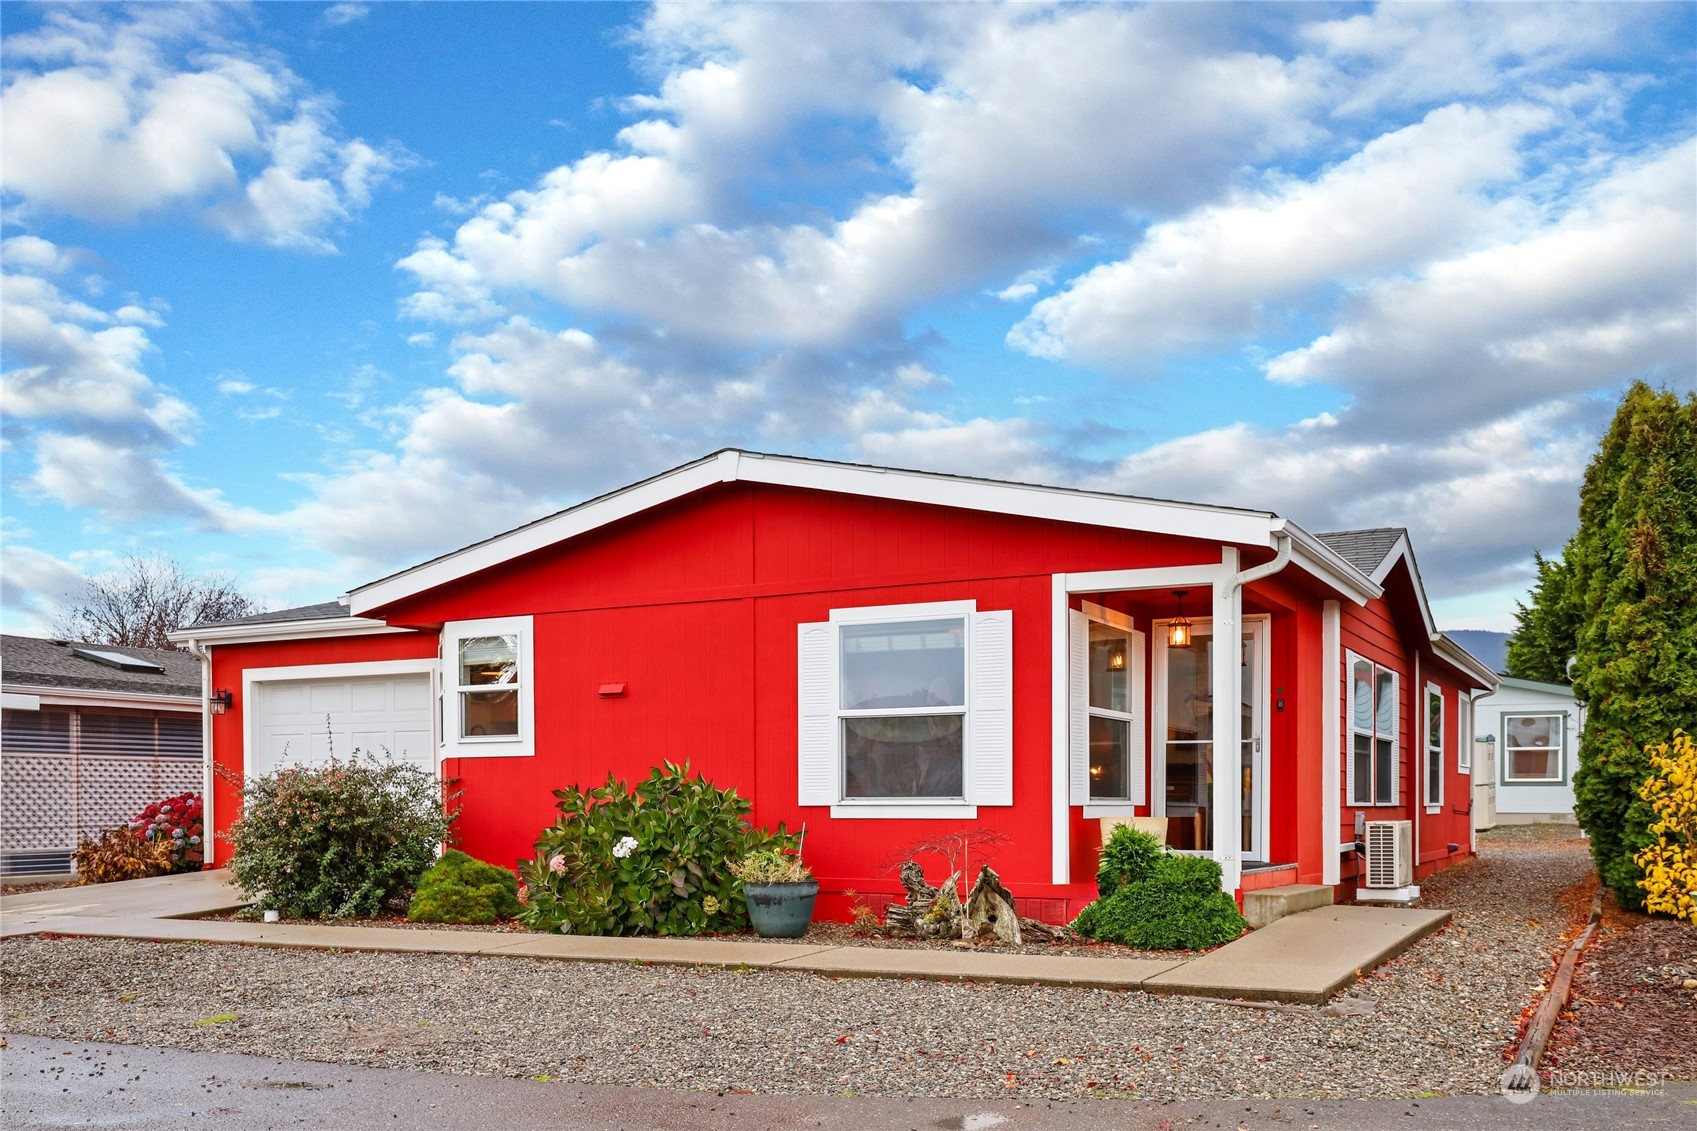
459	889
771	866
1179	905
337	840
1126	859
653	860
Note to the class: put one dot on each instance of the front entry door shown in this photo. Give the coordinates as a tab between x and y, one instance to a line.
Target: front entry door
1184	732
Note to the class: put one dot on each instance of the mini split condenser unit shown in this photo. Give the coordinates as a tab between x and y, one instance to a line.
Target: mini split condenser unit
1390	854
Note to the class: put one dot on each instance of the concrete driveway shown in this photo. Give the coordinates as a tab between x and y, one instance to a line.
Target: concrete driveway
52	1083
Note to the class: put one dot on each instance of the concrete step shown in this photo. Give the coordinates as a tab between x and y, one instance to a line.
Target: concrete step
1269	905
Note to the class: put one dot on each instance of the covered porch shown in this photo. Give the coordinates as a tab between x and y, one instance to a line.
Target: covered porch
1140	724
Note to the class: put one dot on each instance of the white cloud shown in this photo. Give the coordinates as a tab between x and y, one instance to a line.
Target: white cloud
33	585
1600	293
1218	272
340	15
111	117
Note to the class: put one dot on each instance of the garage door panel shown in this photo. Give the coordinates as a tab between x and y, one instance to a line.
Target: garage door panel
305	722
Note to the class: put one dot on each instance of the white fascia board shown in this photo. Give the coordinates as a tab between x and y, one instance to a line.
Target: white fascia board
283	630
546	532
1191	520
1315	557
96	697
1454	653
1188	520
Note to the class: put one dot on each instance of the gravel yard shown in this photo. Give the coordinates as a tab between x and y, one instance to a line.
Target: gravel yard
1434	1021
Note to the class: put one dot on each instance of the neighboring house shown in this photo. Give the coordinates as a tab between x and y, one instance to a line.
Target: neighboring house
91	735
889	656
1534	728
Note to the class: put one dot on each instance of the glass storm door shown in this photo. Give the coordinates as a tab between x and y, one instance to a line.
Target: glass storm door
1187	760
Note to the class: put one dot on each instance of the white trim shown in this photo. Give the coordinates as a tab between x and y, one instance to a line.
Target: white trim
99	697
1433	805
1107	616
1560	747
451	743
251	677
919	808
1228	724
14	702
1154	516
1331	802
886	809
1060	753
1095	809
921	611
1464	723
314	629
1159	577
1350	660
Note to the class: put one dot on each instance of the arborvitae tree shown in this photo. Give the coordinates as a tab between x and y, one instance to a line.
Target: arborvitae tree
1546	633
1629	578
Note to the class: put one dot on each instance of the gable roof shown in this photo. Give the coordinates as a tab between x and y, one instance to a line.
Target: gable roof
28	661
1229	525
1366	550
321	611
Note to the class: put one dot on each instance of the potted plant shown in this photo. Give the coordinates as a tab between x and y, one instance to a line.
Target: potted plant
779	892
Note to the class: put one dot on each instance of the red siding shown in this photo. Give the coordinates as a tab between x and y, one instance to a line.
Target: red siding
694	606
229	661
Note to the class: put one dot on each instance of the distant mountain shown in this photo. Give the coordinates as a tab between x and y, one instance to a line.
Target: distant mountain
1489	648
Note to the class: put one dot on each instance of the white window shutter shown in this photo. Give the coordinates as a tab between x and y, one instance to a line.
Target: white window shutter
989	726
1078	703
816	737
1137	787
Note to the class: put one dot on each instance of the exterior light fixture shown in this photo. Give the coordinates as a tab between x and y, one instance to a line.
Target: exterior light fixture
1178	629
222	700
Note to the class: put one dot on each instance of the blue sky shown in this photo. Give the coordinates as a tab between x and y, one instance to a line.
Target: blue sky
307	293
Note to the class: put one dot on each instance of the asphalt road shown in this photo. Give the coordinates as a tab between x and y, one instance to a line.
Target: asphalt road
51	1083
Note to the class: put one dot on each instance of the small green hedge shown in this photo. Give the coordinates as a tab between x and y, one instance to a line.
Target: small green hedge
1127	858
1177	905
459	889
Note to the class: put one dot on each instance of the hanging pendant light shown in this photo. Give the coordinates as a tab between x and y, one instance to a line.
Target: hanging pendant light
1178	629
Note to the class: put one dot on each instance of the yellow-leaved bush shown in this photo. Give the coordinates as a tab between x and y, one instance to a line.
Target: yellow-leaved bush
1670	865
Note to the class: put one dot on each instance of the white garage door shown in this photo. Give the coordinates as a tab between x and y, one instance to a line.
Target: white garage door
301	721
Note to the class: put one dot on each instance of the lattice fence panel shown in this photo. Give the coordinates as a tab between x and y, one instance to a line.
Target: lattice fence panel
66	774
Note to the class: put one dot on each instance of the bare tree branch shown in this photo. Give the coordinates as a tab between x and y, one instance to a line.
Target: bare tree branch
147	597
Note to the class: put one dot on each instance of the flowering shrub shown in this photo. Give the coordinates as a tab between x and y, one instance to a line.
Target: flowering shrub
340	839
178	824
1670	864
653	860
120	854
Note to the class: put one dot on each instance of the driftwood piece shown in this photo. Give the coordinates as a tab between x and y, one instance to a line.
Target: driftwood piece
1035	930
943	919
907	919
990	912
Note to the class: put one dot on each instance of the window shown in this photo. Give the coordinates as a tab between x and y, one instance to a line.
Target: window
487	687
1110	714
1373	733
1434	746
906	710
1532	748
903	709
1464	736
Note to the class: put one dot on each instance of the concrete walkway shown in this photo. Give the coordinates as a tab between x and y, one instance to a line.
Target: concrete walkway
1302	958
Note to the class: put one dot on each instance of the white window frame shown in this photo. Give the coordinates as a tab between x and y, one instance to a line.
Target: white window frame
1506	754
984	697
1137	751
1355	799
456	745
1464	733
1434	747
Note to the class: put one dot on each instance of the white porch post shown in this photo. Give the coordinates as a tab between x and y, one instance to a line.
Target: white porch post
1227	678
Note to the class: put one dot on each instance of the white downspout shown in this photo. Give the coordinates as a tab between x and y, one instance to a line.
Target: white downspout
207	838
1228	731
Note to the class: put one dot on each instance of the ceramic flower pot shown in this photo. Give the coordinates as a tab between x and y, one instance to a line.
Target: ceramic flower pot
780	911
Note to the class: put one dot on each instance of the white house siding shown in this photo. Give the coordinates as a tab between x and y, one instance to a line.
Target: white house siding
1525	802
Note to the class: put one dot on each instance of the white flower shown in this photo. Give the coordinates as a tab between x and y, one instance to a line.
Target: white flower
626	846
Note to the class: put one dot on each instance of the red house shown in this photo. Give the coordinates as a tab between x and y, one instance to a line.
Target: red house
886	656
